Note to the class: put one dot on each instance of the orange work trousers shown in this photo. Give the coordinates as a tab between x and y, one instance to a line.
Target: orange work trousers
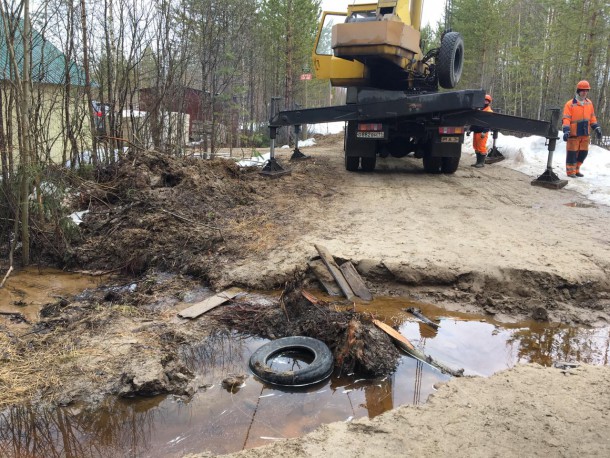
480	142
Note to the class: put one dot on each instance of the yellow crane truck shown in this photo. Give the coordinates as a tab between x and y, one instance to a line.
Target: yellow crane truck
393	103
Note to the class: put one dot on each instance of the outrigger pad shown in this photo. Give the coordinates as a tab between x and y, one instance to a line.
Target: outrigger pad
297	155
549	180
494	156
273	169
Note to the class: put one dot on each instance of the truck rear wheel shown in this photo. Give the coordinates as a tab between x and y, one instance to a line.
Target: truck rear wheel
432	164
351	163
450	60
368	163
450	164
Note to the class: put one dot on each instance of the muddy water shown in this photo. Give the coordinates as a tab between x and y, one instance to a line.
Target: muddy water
27	290
222	420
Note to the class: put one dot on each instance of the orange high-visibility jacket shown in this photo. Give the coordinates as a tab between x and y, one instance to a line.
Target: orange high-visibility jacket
579	116
480	144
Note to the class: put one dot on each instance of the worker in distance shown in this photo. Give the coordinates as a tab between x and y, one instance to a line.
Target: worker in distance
578	117
479	141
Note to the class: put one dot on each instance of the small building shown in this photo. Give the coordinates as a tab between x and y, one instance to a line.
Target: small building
181	99
54	78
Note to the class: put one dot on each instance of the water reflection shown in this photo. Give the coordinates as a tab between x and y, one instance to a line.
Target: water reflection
220	353
379	397
546	345
223	421
483	348
118	429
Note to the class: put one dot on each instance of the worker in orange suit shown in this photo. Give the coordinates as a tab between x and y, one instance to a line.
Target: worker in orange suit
578	116
479	140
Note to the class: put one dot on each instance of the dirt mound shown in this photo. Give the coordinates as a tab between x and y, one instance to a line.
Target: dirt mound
152	210
187	215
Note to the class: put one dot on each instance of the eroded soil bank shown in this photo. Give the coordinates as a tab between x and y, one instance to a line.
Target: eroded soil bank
484	241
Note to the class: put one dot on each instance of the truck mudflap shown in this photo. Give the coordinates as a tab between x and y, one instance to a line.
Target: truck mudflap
446	146
446	141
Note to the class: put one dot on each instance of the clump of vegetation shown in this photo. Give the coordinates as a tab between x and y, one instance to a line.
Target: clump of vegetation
356	343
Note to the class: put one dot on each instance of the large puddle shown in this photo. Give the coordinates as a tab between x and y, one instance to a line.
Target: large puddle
221	421
26	291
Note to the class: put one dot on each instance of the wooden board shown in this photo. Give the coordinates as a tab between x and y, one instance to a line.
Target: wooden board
323	275
332	266
393	334
355	281
408	347
208	304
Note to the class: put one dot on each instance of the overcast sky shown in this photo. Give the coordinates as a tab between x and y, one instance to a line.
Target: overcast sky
433	9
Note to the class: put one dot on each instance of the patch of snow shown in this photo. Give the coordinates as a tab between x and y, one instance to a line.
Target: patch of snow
529	155
77	217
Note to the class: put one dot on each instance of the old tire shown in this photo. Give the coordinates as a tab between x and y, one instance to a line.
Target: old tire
450	60
320	368
368	163
352	163
432	164
450	164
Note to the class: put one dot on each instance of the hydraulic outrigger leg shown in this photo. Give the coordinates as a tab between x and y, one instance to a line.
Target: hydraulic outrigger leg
494	155
272	167
296	154
549	179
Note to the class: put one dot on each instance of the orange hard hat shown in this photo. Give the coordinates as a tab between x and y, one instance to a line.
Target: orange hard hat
583	85
488	98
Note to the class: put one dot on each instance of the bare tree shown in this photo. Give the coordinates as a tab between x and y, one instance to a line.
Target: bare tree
83	19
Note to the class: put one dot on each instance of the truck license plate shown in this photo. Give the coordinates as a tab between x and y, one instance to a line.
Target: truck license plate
450	139
361	134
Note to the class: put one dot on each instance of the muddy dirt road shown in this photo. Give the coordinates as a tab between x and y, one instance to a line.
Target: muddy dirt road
481	240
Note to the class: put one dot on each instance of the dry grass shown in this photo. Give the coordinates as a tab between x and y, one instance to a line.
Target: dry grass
256	234
41	366
33	367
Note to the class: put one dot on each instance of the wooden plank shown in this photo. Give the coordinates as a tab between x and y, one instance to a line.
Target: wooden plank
332	266
324	277
389	330
208	304
355	281
408	347
310	297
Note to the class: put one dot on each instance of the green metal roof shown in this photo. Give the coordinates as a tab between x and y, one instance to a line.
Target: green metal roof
48	63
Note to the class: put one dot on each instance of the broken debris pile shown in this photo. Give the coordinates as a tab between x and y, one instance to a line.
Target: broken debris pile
338	279
154	210
356	343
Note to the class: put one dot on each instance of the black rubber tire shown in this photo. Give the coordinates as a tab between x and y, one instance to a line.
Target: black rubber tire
320	368
450	164
368	163
450	60
432	164
352	163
